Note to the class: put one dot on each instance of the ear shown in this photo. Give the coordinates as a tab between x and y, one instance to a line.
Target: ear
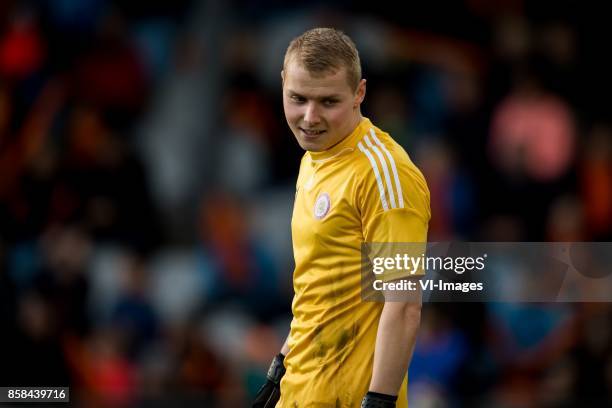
283	77
360	93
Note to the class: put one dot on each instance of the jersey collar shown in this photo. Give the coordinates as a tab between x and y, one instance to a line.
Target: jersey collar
347	144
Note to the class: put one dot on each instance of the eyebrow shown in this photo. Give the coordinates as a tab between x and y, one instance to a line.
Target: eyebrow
323	97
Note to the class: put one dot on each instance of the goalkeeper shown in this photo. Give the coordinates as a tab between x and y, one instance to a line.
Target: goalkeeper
355	185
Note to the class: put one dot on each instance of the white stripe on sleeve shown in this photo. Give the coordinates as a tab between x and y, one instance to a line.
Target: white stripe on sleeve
383	164
381	189
400	196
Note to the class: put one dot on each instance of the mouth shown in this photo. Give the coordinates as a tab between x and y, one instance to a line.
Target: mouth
312	132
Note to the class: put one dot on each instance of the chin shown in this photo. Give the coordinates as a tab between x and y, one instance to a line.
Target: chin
310	146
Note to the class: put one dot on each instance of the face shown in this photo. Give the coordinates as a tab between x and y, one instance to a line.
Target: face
321	110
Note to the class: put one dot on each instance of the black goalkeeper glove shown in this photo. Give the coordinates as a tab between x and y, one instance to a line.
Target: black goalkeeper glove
377	400
269	393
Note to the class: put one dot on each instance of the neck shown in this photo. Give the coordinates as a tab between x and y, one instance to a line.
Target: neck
356	121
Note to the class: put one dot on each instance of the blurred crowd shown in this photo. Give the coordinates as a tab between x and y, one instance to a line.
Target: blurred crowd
147	178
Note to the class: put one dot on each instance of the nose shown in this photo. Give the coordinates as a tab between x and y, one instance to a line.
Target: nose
311	115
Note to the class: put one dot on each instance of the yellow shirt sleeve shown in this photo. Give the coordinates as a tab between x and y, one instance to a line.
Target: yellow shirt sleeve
400	229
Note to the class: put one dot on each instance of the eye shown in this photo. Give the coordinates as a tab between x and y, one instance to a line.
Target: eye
298	99
329	102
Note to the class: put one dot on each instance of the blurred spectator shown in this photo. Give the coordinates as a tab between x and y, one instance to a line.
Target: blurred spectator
245	149
67	252
22	50
104	184
451	191
595	169
39	343
110	75
526	339
439	352
243	272
531	149
199	369
133	313
566	220
532	134
591	355
28	163
105	376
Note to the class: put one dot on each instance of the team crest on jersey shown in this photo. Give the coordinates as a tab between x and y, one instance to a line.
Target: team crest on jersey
322	206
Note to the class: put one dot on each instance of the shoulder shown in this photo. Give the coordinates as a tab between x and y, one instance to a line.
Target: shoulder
378	146
388	176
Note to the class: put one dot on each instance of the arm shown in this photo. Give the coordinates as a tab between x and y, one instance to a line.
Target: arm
399	321
395	340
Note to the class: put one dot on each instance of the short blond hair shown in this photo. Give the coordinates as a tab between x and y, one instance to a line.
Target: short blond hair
323	50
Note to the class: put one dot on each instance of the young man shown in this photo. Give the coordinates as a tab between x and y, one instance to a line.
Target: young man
355	185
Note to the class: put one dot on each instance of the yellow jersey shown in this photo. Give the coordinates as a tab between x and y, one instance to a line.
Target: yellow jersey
364	189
